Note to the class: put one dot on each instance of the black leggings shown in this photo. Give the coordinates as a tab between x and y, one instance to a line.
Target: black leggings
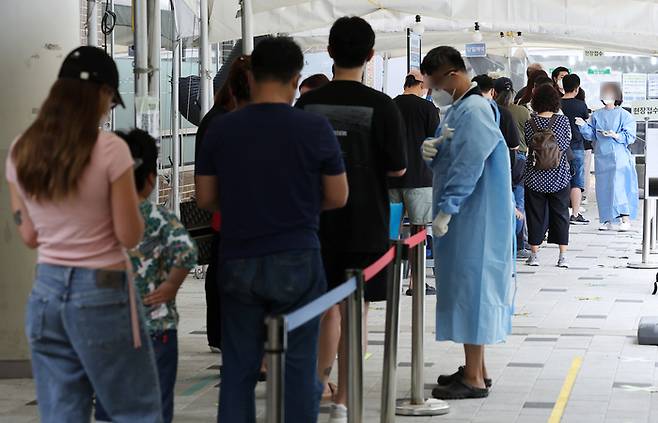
537	204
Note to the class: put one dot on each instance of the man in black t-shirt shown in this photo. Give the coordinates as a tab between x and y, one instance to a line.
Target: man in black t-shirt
371	134
414	189
574	108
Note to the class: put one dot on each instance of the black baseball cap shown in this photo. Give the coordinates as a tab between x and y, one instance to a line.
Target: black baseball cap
87	63
503	84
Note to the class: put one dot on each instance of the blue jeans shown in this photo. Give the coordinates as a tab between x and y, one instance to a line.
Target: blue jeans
252	289
519	200
78	327
577	166
165	346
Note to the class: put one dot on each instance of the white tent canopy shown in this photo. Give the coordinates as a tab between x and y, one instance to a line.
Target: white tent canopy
628	26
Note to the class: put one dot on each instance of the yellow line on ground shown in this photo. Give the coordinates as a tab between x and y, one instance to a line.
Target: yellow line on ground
565	392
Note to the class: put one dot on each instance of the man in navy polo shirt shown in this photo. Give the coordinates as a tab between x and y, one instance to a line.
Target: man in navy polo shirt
271	169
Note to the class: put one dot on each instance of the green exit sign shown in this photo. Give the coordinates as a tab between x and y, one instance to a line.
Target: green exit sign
596	71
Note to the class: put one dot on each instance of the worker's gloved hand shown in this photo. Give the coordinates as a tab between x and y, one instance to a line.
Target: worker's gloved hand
431	145
611	134
580	121
440	224
431	148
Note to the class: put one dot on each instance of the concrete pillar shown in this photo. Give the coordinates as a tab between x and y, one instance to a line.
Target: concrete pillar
33	50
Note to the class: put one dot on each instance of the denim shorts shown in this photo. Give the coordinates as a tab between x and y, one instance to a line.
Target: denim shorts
417	203
577	166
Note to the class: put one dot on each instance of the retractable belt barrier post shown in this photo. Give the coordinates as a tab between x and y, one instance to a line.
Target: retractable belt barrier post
648	215
654	228
355	349
418	405
391	337
275	350
277	329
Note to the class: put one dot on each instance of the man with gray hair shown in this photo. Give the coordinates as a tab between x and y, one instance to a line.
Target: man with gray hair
533	67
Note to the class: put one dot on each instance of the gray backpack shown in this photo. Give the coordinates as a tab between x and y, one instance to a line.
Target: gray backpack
544	151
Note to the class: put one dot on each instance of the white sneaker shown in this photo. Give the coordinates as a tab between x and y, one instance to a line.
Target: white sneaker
338	414
624	226
607	226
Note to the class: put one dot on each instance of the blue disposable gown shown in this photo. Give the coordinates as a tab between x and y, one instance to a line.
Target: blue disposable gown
616	178
474	260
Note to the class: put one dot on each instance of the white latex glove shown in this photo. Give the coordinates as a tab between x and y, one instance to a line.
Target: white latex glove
611	134
440	224
431	145
431	148
580	121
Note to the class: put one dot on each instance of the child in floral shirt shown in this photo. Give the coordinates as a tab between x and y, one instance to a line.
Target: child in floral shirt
160	263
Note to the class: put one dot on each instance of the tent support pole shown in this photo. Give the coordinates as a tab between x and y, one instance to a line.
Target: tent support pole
247	18
204	49
175	116
92	23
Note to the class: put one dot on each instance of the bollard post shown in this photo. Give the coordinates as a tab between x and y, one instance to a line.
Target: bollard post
654	228
355	350
275	351
646	238
391	337
417	405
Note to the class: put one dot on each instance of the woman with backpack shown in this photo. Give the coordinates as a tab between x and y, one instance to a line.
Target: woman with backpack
547	177
612	130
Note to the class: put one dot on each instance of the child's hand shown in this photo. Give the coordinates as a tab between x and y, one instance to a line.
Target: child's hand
162	294
519	214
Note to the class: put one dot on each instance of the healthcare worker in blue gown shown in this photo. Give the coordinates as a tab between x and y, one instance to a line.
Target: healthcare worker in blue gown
612	130
474	224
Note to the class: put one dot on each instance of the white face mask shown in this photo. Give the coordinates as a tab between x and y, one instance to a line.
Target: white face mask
560	85
608	100
443	98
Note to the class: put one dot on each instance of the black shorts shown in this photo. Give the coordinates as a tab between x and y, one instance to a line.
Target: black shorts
337	263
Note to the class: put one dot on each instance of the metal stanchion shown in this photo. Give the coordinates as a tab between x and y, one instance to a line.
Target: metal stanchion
391	341
275	350
355	349
418	405
654	231
646	238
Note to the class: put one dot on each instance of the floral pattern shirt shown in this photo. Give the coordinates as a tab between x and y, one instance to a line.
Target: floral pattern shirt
166	244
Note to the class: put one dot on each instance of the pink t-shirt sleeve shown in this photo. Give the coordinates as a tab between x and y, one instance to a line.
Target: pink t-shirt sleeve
116	155
10	169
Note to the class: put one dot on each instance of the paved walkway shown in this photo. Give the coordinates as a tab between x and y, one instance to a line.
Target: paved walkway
589	311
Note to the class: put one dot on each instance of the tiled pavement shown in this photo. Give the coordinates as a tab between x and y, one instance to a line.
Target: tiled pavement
589	311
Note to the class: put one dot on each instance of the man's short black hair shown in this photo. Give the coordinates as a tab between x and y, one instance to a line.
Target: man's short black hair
315	81
571	83
442	56
277	59
145	153
485	82
351	40
557	71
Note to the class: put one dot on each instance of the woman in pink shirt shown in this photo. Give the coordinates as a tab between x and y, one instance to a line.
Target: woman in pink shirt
74	200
